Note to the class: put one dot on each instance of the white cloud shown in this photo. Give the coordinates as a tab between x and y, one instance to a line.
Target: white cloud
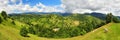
14	1
92	5
4	5
75	6
44	8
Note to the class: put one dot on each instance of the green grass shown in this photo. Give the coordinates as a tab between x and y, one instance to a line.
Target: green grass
100	34
9	31
12	33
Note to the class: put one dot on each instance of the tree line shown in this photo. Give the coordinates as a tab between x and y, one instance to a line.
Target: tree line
56	26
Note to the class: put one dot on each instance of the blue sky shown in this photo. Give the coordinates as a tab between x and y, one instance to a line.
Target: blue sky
73	6
31	6
45	2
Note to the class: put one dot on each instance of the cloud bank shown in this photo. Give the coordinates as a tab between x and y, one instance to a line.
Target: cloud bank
74	6
81	6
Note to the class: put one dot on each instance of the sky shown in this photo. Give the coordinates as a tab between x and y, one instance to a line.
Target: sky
45	2
72	6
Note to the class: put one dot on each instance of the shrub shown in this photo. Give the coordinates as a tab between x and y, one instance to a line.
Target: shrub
111	18
0	19
24	32
4	14
13	22
31	30
116	20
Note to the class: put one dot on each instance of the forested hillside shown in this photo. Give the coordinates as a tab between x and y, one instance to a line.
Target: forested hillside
58	26
33	26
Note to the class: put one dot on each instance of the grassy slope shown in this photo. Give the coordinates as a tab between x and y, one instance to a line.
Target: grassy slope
9	31
99	34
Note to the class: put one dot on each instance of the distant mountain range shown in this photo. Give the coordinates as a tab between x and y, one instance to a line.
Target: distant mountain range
63	14
95	14
98	15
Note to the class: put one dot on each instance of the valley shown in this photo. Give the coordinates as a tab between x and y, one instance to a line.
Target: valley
57	27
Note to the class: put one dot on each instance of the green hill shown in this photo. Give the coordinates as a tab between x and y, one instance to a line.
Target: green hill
58	26
100	34
72	27
10	33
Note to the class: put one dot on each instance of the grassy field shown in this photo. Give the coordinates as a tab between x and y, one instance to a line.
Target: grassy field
100	34
11	32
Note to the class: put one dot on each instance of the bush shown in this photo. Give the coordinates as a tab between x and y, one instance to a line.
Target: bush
111	18
4	14
13	22
24	32
31	30
0	19
116	20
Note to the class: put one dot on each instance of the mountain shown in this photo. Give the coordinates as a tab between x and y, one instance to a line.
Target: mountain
118	17
94	14
98	15
41	13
